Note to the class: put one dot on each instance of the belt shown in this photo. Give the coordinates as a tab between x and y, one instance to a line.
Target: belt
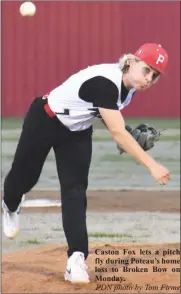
65	111
48	110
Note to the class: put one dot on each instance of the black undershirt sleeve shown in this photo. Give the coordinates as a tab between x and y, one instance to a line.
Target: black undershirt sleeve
100	91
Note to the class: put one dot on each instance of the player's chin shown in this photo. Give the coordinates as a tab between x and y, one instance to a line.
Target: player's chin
140	88
143	88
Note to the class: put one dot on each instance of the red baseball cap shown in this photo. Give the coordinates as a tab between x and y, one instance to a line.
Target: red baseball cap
154	55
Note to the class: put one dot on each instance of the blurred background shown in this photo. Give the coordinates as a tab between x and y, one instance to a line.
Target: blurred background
40	52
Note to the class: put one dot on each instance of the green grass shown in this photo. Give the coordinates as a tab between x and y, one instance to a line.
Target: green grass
126	158
11	123
109	235
170	138
162	123
101	139
162	138
174	123
116	235
116	157
167	159
15	138
157	122
57	229
32	241
10	138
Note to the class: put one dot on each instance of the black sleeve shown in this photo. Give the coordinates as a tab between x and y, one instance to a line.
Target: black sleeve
101	91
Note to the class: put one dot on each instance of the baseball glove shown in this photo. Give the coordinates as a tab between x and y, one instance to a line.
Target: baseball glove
145	135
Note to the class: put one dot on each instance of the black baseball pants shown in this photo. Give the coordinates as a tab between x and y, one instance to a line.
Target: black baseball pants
73	152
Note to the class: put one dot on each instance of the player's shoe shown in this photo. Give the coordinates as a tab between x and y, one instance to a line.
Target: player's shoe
11	225
76	270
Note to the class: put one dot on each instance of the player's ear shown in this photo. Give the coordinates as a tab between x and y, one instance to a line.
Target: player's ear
126	61
131	60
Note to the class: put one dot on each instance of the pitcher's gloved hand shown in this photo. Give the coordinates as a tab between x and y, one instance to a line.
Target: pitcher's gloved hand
145	135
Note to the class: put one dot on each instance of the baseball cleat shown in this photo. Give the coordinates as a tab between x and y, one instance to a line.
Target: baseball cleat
76	270
11	225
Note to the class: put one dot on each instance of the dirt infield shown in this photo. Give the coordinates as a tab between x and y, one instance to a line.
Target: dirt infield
111	201
41	271
150	268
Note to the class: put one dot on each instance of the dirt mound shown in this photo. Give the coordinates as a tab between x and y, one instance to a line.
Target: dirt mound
150	268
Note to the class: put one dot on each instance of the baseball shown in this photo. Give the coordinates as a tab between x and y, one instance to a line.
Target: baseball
27	9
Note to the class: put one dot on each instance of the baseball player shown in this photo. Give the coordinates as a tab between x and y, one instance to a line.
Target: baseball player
63	120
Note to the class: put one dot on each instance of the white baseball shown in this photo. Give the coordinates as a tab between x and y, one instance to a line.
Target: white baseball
27	9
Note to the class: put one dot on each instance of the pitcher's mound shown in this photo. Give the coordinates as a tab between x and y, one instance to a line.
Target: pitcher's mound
125	268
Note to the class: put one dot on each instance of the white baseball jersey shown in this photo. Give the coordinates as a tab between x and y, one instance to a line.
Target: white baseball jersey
76	101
